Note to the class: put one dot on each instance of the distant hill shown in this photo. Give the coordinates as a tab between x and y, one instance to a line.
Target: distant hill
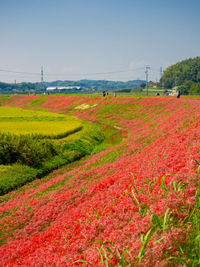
181	72
85	86
97	85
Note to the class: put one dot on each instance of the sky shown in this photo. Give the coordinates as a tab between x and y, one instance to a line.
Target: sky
95	39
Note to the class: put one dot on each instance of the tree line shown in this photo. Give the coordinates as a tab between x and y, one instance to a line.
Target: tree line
85	86
185	75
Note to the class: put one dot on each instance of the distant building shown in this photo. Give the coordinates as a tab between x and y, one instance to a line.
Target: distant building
174	91
63	88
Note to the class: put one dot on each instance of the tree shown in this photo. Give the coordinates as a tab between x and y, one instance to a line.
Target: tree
179	73
143	85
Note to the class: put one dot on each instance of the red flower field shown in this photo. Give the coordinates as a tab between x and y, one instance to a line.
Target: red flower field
126	204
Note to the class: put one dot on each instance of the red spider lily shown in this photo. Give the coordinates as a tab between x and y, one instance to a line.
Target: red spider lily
101	200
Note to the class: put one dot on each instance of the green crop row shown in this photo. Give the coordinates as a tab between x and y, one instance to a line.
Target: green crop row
14	112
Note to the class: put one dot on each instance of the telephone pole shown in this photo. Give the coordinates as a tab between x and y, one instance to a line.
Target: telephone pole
42	75
161	73
146	72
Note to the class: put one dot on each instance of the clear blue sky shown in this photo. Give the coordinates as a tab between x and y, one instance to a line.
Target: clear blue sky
76	38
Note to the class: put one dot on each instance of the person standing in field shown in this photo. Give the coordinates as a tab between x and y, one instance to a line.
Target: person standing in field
179	94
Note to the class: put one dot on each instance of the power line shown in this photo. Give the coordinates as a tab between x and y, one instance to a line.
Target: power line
19	72
155	70
68	74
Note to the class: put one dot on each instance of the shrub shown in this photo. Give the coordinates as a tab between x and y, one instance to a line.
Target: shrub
25	149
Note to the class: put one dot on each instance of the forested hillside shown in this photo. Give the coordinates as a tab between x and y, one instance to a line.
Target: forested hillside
186	74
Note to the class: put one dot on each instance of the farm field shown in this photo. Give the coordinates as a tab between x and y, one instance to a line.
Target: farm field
33	143
133	200
19	121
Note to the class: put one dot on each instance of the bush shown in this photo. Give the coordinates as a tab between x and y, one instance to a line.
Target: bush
190	88
80	146
25	149
94	136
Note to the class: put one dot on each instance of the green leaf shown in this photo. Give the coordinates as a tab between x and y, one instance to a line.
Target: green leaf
197	162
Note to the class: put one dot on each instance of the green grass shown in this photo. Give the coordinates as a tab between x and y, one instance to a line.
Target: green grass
52	188
16	176
188	252
109	157
38	101
4	98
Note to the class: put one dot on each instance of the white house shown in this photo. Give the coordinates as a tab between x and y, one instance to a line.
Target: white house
63	88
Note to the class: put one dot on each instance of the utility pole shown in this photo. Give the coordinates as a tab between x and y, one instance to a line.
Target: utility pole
161	73
146	72
42	75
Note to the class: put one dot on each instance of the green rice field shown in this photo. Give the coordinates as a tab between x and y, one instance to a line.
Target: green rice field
19	121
